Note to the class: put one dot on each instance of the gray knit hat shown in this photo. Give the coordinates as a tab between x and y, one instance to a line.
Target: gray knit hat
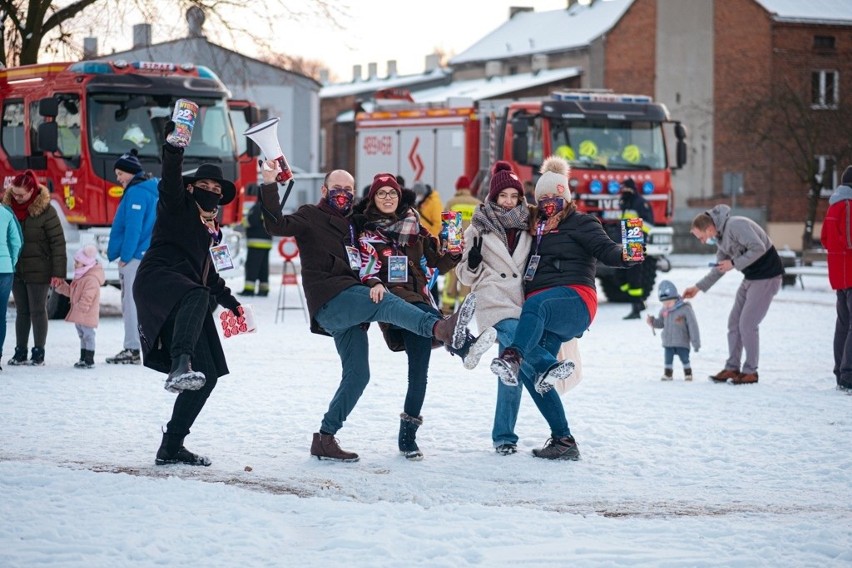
667	291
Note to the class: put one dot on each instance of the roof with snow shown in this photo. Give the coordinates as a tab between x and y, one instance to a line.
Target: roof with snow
481	89
335	90
546	32
831	12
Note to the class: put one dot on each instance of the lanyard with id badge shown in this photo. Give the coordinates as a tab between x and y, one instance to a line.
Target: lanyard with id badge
352	252
220	254
397	268
532	265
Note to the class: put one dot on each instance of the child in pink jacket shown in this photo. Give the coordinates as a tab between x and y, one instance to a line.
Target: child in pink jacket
85	294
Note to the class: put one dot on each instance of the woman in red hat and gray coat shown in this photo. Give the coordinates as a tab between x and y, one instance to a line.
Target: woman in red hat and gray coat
176	289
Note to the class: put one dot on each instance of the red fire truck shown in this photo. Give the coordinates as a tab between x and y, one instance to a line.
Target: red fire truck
606	137
69	122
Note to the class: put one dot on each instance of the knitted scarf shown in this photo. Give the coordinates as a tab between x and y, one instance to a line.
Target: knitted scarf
491	218
402	230
21	210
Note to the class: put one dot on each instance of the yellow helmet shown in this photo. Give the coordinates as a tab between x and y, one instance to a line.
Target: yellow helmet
631	153
588	148
565	151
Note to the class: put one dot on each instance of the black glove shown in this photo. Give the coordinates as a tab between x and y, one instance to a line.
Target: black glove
474	257
230	303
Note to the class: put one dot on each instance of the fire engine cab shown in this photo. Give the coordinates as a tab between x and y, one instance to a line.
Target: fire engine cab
69	123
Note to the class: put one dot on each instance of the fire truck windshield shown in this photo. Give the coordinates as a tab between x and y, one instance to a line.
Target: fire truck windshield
119	122
609	144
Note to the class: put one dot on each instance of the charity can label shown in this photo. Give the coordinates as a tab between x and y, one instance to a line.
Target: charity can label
451	232
633	240
184	118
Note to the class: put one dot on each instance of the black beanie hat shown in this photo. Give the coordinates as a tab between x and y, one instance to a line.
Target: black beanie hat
846	178
129	162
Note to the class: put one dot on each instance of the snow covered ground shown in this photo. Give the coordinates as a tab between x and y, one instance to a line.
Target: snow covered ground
672	474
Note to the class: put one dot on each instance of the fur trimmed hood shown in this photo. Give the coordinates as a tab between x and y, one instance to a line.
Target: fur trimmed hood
39	204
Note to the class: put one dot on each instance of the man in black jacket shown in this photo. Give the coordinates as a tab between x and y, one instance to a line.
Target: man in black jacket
176	289
338	303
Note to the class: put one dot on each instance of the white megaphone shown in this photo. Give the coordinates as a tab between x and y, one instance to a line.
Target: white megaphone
265	135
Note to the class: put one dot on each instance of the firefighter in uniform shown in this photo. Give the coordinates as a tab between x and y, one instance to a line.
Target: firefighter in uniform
632	206
465	203
259	244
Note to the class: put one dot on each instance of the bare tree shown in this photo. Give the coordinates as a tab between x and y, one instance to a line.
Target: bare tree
787	123
27	25
309	67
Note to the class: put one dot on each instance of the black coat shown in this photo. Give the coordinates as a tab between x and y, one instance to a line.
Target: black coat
322	239
177	262
568	253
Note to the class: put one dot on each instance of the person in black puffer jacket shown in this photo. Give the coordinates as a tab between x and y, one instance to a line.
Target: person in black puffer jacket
560	295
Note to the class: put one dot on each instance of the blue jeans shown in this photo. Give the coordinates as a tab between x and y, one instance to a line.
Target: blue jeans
342	317
682	354
558	311
5	289
509	398
419	351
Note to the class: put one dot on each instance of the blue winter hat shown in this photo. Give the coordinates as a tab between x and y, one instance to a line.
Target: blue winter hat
667	291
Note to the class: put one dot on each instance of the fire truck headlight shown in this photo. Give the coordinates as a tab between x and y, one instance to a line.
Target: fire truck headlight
648	187
613	186
596	186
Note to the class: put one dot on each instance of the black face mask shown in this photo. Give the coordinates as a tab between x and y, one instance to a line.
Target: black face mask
207	200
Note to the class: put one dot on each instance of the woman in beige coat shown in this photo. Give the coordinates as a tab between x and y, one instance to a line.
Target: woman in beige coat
85	294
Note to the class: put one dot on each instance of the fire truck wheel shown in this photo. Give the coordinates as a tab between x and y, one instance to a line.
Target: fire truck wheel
611	284
57	305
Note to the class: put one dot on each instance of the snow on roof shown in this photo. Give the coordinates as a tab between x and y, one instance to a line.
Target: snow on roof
353	88
480	89
834	12
546	32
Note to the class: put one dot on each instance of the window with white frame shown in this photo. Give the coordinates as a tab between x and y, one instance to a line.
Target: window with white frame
826	171
824	89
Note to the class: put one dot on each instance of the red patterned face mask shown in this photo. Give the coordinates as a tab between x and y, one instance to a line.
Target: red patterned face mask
340	199
551	206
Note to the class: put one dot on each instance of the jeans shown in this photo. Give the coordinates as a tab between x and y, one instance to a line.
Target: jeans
558	311
342	317
419	351
509	398
843	339
682	354
5	290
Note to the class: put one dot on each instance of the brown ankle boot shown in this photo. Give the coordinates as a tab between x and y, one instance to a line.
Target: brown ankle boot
325	447
452	331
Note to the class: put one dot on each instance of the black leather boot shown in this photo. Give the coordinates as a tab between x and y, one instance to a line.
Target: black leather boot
408	426
172	451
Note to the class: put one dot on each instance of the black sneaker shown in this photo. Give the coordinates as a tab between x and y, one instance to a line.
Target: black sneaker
506	449
182	377
19	358
126	357
474	347
183	456
564	448
37	357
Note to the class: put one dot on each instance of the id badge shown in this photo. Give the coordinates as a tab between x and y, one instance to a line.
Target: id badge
397	269
532	267
221	256
354	258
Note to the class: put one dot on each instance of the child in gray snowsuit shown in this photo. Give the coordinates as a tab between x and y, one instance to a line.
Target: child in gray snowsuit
680	328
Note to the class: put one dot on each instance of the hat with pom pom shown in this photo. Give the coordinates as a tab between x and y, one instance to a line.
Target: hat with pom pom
462	183
129	162
554	179
503	177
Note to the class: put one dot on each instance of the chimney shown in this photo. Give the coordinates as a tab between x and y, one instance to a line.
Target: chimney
372	71
433	61
195	21
90	47
141	35
538	63
356	73
514	10
391	68
323	76
493	69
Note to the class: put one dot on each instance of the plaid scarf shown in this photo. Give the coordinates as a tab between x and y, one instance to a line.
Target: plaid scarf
491	218
403	230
